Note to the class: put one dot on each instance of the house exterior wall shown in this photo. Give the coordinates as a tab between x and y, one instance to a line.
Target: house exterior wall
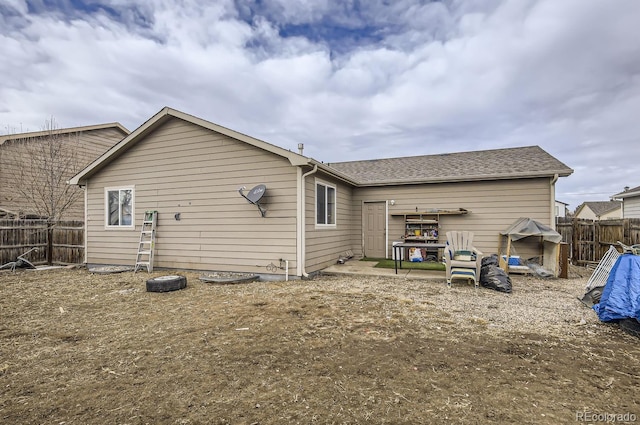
612	215
87	145
325	244
493	206
183	168
631	207
560	209
586	213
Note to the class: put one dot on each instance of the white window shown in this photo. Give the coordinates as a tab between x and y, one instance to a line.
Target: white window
325	204
119	207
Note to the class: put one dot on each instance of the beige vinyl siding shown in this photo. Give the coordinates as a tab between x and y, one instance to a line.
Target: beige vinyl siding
494	206
612	215
183	168
631	207
325	244
586	213
90	145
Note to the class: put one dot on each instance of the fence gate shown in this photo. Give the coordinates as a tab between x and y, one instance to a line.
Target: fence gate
584	241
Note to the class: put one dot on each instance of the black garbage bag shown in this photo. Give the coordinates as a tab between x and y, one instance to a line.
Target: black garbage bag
491	260
493	277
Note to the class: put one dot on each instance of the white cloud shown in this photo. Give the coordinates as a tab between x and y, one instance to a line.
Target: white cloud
359	80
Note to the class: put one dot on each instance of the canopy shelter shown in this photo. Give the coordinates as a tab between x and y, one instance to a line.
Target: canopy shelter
526	229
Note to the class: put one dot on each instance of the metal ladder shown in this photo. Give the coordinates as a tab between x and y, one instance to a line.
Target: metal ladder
147	241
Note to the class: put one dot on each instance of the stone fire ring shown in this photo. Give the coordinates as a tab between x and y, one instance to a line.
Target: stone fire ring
110	269
229	278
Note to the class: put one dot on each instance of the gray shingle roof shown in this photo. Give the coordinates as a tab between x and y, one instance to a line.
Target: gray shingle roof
635	191
530	161
602	207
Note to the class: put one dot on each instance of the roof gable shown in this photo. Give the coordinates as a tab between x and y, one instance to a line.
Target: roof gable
161	117
524	162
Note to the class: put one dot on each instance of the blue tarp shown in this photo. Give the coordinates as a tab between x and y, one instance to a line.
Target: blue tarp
621	296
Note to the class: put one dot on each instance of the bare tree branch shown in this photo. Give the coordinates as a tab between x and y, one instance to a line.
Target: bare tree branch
44	165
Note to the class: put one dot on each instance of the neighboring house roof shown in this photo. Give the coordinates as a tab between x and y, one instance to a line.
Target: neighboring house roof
44	133
629	193
600	208
560	202
524	162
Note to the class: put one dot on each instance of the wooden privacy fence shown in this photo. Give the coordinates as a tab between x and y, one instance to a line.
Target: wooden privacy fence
590	240
60	242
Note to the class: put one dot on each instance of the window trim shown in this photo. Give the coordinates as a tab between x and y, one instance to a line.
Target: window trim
335	204
131	226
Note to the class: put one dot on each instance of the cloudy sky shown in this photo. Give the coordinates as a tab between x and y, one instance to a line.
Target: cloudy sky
351	79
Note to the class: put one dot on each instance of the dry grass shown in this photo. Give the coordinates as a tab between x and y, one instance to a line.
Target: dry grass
78	348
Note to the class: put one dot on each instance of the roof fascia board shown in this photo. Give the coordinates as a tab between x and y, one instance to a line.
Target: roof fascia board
625	195
36	134
334	173
294	158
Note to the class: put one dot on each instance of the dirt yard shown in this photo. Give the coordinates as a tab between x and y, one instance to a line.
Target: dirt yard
80	348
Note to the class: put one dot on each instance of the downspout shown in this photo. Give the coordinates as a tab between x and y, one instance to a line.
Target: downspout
302	252
85	189
556	260
554	179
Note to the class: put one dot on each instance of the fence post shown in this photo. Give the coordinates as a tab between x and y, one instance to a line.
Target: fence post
597	237
575	247
49	243
564	260
626	232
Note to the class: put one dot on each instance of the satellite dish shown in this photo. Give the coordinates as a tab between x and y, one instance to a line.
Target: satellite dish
256	193
254	196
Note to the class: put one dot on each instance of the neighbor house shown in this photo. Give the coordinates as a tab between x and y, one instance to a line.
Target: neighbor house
190	171
561	208
27	158
630	199
599	210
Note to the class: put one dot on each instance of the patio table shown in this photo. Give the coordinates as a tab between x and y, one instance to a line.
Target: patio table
427	247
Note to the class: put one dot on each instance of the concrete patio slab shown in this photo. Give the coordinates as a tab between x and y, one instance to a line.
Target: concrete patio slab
368	268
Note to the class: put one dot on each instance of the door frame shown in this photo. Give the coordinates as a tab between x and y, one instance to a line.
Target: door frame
386	225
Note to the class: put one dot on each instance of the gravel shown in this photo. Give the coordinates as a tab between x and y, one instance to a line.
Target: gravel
537	305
